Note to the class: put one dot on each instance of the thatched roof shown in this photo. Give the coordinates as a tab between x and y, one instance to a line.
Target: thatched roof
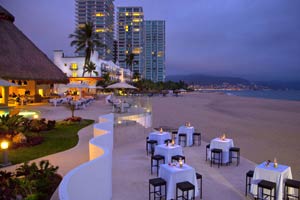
20	58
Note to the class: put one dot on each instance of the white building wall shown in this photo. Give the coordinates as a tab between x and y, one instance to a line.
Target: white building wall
65	63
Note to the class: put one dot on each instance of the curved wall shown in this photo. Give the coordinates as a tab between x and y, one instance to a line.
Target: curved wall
93	180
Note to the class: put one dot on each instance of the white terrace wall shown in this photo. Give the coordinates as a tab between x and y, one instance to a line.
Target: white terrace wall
93	180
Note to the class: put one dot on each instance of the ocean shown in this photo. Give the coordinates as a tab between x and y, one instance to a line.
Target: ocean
292	95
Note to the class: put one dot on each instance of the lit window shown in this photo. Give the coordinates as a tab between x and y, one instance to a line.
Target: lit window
74	74
74	66
136	14
136	20
136	51
101	30
136	29
160	54
127	13
100	14
81	25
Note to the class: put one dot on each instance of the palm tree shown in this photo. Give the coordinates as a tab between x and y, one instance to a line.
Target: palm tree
86	39
130	60
91	68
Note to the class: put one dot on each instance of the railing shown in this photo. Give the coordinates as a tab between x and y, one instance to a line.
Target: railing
93	180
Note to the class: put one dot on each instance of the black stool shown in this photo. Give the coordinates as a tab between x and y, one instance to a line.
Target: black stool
290	183
156	158
174	133
182	138
206	151
185	187
235	150
263	184
249	176
152	144
177	158
213	158
197	137
157	183
199	177
167	141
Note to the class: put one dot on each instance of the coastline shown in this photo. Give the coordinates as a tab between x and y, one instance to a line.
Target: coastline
262	128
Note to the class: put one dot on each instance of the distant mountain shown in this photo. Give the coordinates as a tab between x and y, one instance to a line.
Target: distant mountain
200	79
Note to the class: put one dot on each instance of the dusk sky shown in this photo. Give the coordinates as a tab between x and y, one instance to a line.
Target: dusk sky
253	39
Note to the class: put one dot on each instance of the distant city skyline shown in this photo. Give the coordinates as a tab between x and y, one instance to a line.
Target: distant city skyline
256	40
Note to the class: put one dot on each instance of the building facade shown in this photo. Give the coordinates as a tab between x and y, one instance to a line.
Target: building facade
154	50
72	66
101	14
130	37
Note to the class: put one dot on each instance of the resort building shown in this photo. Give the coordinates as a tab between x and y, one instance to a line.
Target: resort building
154	50
23	64
101	14
130	36
72	66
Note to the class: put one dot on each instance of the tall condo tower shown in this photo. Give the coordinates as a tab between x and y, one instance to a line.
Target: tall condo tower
154	49
130	37
101	14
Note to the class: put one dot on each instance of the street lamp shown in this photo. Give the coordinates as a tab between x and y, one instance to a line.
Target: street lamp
4	147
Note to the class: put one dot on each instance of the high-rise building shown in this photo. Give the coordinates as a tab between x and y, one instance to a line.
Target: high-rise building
130	37
154	50
101	14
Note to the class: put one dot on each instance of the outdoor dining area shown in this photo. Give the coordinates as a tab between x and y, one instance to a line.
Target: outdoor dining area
176	179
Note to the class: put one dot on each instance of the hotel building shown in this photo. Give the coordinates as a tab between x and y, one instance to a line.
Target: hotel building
101	14
154	50
130	37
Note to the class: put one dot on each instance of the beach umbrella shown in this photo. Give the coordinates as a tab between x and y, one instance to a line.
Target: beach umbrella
121	85
6	83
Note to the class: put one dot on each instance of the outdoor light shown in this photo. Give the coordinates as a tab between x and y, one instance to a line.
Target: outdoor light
180	163
35	116
4	147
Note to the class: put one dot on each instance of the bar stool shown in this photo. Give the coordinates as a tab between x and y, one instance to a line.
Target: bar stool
156	158
235	150
157	183
213	158
197	137
182	138
151	144
290	183
185	188
174	133
167	141
249	176
206	151
199	177
178	157
268	185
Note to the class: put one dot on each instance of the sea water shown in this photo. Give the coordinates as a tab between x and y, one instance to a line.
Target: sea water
293	95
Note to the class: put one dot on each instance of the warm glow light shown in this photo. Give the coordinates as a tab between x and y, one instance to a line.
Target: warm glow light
119	122
4	144
35	116
101	30
136	14
161	130
180	162
100	14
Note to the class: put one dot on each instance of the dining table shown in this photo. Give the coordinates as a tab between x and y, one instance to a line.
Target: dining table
160	137
221	143
173	174
168	151
271	173
188	130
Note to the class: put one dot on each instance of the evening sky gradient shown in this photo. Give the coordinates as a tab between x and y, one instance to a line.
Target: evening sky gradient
253	39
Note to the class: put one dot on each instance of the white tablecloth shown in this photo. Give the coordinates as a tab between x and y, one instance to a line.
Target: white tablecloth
189	130
159	137
277	175
175	174
225	145
168	151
